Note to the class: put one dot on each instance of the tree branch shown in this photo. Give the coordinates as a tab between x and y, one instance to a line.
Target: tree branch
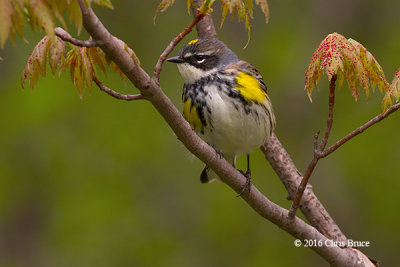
360	130
318	150
205	28
116	94
262	205
174	42
60	32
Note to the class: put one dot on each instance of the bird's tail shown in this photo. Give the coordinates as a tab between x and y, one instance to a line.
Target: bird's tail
208	175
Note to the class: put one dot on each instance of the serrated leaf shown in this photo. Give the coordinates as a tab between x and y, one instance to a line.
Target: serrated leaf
387	101
6	11
81	66
36	63
18	19
373	69
395	85
349	60
41	16
56	54
98	57
75	15
164	5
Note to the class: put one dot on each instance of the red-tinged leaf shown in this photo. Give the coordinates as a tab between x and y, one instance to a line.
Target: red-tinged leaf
249	5
336	55
36	63
387	101
373	70
164	5
87	70
56	54
6	11
395	85
98	57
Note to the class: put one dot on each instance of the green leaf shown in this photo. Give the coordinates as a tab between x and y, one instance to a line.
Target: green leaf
6	11
105	3
164	5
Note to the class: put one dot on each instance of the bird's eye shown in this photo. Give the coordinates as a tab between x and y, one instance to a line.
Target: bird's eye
199	58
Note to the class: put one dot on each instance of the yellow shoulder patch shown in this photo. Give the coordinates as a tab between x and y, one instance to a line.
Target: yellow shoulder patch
190	114
193	41
249	87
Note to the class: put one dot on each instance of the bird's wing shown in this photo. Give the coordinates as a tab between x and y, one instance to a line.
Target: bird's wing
249	81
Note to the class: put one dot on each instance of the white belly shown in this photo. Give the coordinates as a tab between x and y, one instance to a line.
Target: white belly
234	131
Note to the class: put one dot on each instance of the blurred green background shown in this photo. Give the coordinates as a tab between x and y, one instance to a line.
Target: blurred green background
102	182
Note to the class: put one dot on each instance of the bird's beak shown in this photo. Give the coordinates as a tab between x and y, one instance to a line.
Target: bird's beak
176	59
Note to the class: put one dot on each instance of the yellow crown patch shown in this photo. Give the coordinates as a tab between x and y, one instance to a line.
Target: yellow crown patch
193	41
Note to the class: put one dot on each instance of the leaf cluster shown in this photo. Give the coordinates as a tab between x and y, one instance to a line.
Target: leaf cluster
81	61
41	14
350	61
243	8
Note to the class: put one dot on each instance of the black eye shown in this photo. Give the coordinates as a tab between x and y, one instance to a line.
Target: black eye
199	58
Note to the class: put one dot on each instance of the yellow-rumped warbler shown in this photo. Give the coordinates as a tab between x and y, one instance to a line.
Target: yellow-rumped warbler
225	101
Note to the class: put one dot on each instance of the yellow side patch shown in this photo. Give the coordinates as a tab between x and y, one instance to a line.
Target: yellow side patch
193	41
249	87
190	114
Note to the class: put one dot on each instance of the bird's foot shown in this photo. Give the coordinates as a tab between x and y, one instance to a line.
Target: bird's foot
247	185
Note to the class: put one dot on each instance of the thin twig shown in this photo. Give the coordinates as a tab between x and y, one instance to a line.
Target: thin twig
360	130
330	114
116	94
172	44
318	150
60	32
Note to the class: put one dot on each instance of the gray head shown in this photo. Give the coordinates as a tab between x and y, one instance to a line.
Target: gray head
202	56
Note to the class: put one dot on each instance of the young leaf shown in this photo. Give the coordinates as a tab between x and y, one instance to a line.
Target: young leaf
265	8
36	63
56	54
164	5
41	16
105	3
373	69
5	17
244	11
348	60
395	85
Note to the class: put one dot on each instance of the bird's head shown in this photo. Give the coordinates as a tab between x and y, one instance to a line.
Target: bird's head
200	57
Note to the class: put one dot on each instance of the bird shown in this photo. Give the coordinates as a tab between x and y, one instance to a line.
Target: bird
225	100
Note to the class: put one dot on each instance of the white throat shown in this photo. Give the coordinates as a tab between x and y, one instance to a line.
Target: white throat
190	74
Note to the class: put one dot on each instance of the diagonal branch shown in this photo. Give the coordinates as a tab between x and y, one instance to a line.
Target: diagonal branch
173	43
60	32
116	94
